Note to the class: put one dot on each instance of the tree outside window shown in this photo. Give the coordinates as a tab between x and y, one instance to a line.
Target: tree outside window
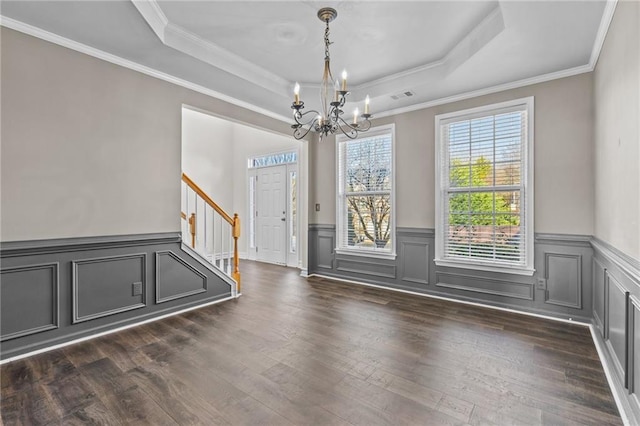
365	193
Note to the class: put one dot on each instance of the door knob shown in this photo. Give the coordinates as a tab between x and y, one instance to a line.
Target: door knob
283	219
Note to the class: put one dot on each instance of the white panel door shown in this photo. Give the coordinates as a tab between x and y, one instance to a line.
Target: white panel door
271	222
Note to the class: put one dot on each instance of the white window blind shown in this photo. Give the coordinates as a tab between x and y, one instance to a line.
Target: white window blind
484	187
365	193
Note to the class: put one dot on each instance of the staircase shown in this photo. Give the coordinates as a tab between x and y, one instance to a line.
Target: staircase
209	233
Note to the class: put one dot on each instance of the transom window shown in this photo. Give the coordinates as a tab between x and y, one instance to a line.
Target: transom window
365	211
273	159
484	187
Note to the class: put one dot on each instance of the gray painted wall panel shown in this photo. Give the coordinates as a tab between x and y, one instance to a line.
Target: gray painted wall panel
374	267
325	244
479	284
415	262
175	278
617	325
598	295
634	345
104	286
28	300
415	270
564	279
114	250
616	274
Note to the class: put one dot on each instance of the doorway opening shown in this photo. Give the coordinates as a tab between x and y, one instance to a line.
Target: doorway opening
216	152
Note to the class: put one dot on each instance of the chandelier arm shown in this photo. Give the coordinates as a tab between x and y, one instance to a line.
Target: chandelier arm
352	132
298	116
301	132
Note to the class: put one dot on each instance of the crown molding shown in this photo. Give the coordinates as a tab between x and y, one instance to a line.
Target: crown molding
177	37
489	90
154	16
465	48
603	29
164	29
117	60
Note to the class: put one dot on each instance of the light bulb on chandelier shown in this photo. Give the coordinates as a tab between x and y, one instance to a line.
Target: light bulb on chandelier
333	97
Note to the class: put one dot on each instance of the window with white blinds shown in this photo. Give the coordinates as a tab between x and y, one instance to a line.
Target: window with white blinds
484	215
365	208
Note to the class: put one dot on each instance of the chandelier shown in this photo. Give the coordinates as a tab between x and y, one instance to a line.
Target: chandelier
332	98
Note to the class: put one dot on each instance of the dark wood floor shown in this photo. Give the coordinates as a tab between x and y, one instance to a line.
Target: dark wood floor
317	352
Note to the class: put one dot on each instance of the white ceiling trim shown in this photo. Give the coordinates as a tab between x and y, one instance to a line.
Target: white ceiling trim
154	16
176	37
162	22
117	60
489	90
603	29
469	45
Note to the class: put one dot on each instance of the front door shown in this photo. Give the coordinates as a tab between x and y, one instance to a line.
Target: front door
271	209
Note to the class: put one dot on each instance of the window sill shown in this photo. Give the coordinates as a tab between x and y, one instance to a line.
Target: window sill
485	267
366	253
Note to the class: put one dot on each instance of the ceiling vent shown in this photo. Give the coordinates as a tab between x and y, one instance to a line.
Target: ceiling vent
401	95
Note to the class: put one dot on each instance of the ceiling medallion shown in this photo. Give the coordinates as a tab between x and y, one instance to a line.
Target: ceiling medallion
332	98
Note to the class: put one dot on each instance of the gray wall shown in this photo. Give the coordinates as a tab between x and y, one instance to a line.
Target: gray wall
616	318
91	148
562	262
54	291
617	132
562	171
207	155
616	265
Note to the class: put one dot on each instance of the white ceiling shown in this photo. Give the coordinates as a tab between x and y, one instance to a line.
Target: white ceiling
252	52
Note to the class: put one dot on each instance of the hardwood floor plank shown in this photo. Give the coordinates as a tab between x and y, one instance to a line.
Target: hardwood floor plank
176	398
94	414
71	393
30	406
296	351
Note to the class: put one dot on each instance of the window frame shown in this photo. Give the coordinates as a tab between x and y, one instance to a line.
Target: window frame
526	186
341	198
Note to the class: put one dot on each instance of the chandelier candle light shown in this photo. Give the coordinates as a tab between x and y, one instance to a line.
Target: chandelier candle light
333	96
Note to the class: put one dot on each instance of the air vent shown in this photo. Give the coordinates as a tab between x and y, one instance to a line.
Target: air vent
401	95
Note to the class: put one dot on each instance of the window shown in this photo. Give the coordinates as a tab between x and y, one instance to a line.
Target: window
293	208
365	210
484	188
273	159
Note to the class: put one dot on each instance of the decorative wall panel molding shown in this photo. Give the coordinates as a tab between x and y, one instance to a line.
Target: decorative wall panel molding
563	273
633	369
479	284
55	291
29	298
563	239
414	270
624	262
175	278
617	320
62	245
370	267
104	285
325	251
415	261
599	295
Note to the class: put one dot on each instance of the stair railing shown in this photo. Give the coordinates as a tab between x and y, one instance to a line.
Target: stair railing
214	233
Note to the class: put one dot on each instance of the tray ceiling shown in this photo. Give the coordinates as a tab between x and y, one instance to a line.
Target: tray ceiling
254	52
